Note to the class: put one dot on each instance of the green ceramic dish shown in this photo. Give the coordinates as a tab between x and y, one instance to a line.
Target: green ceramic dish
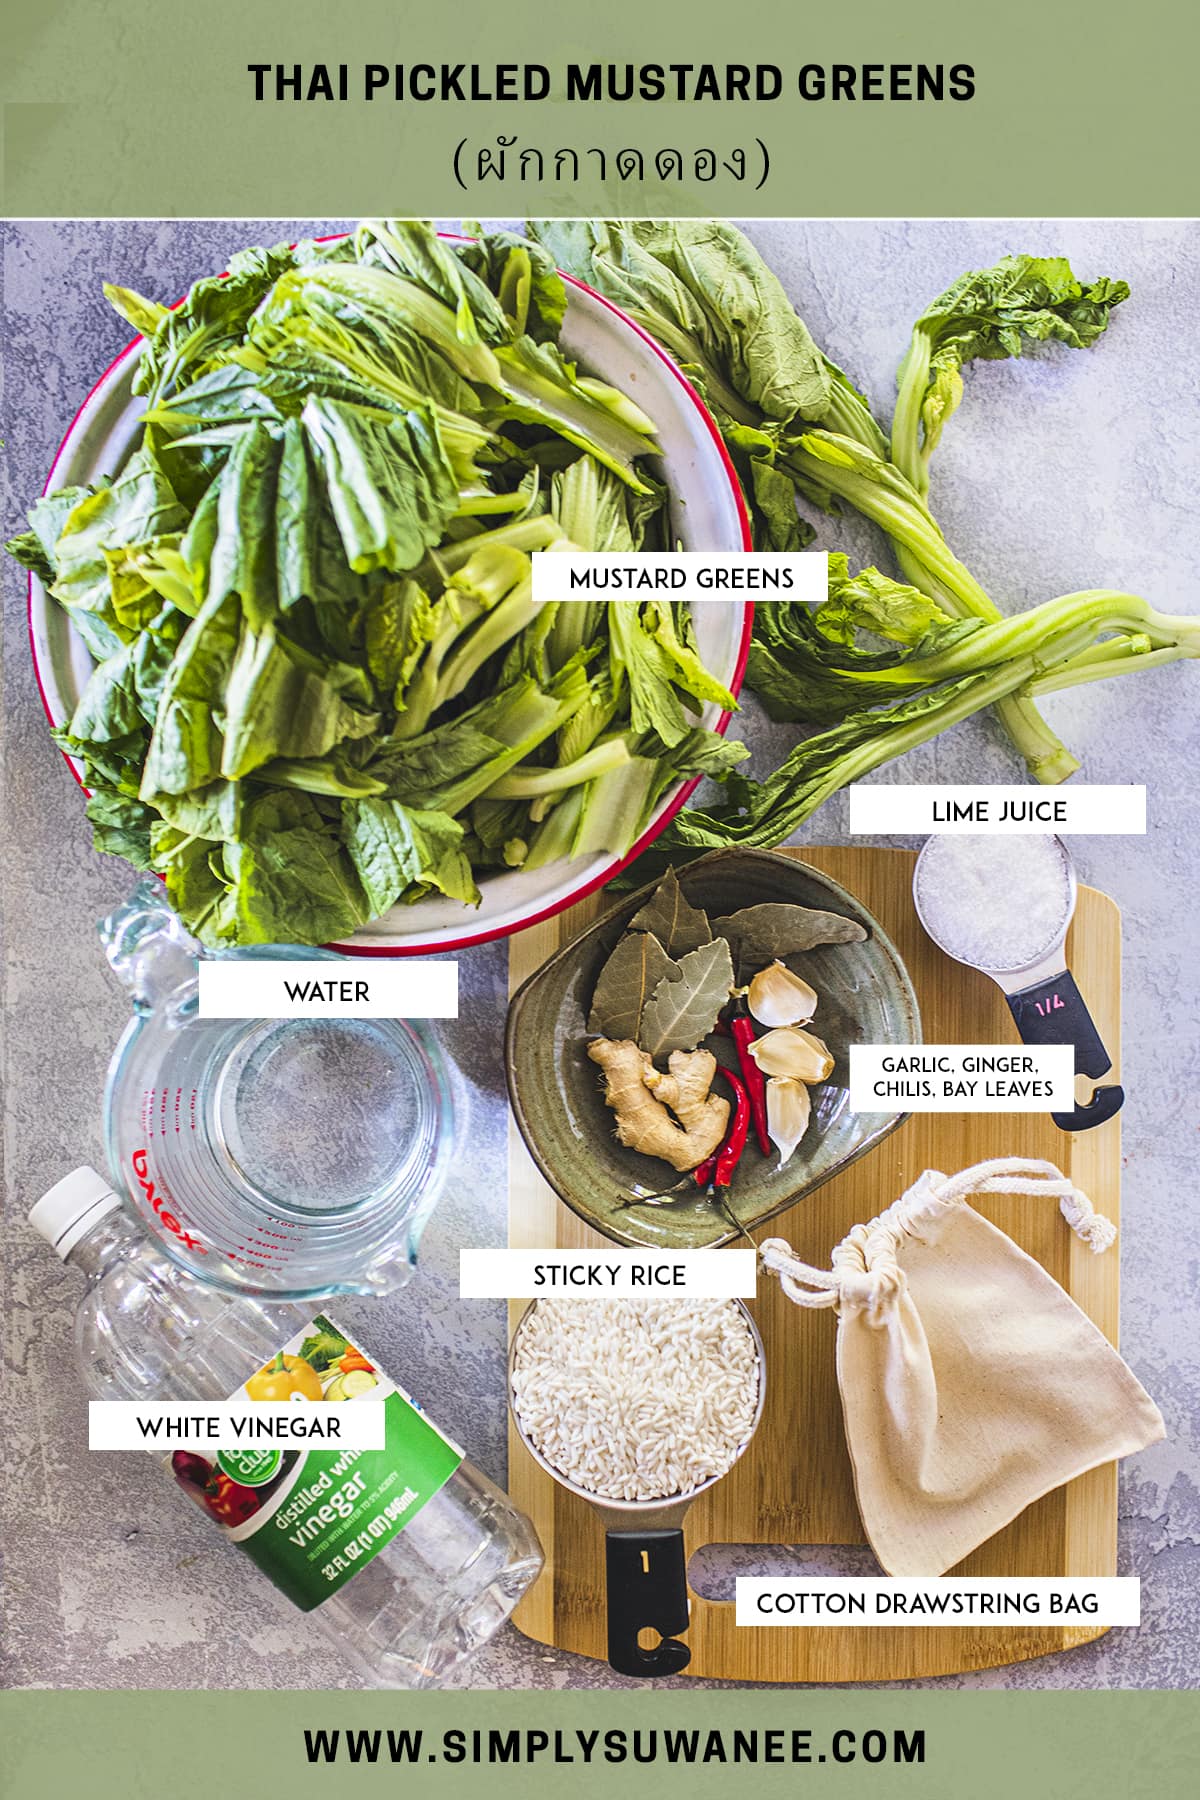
557	1093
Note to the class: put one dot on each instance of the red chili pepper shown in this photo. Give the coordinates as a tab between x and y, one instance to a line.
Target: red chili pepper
717	1172
729	1155
741	1027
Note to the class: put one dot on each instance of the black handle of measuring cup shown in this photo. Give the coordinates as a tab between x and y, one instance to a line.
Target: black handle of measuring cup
1054	1012
647	1588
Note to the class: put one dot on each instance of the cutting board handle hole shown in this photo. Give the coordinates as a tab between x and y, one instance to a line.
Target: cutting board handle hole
714	1568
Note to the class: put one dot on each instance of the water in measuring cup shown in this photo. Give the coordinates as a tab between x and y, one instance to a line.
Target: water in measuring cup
287	1156
147	1330
323	1114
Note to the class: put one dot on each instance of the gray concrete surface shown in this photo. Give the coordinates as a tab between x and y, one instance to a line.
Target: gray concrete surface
1061	473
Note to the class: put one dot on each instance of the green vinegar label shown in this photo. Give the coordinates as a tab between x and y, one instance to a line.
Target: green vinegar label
312	1519
342	1509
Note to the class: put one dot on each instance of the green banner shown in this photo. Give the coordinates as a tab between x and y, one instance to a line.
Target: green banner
930	109
442	1746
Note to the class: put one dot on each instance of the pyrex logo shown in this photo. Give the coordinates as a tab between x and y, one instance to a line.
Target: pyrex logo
141	1168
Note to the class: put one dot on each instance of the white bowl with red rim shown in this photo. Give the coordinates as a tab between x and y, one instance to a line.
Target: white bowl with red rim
706	512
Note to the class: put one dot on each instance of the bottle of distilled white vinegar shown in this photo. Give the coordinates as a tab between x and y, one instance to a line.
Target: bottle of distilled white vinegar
411	1556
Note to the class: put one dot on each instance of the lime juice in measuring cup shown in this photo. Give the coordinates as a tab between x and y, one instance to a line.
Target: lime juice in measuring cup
286	1158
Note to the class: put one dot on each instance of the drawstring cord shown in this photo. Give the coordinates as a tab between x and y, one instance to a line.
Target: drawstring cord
848	1280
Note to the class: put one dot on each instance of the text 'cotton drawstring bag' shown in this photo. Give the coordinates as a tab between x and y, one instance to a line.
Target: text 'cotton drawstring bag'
971	1383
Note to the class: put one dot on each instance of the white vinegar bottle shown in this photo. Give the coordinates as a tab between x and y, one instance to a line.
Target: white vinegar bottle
411	1557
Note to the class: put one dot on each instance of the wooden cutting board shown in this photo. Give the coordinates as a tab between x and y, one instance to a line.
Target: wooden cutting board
793	1486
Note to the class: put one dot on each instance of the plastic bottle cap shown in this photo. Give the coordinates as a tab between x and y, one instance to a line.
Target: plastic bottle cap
73	1205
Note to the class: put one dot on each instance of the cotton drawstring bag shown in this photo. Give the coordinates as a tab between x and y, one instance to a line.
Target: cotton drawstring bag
971	1383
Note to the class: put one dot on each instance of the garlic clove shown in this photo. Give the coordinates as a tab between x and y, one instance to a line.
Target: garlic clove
789	1109
794	1054
777	997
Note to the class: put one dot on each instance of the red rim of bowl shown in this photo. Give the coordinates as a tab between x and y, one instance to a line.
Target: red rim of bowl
648	837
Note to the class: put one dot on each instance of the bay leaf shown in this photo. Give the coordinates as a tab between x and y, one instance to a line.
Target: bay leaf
669	914
625	984
759	934
683	1008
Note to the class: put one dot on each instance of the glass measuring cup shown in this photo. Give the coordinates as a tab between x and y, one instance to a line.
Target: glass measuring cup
1046	1005
645	1561
288	1158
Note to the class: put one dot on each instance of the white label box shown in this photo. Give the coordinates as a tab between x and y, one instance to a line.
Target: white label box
962	1078
882	808
695	575
268	988
167	1425
910	1600
600	1274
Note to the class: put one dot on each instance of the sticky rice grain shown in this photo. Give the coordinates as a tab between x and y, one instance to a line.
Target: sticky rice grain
636	1399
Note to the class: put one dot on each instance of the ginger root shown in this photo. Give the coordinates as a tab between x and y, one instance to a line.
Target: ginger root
640	1094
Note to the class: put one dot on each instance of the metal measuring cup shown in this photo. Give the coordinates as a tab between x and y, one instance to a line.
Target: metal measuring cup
645	1563
1048	1007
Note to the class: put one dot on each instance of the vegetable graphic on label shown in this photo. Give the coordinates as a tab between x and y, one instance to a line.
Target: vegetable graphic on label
359	1381
285	1378
349	1386
228	1501
324	1347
